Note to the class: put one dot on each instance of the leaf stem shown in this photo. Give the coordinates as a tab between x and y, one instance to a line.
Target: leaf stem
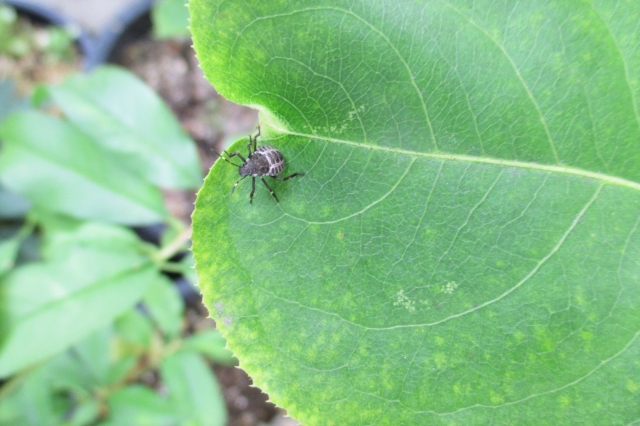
172	267
16	380
176	245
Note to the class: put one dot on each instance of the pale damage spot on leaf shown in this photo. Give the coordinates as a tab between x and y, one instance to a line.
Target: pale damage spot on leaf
404	301
219	309
449	287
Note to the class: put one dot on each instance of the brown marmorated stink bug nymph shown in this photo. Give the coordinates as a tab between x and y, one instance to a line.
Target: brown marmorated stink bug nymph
263	161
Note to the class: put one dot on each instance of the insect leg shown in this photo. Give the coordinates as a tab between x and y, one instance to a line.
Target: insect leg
235	154
288	177
255	139
253	189
234	186
270	190
225	159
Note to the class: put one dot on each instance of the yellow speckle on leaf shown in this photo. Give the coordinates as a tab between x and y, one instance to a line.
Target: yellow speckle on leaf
440	359
519	336
497	399
632	386
586	335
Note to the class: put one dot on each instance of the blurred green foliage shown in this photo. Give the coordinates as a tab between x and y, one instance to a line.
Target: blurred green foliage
91	329
170	19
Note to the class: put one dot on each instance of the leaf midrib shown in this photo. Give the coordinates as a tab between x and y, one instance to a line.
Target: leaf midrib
96	286
438	154
612	180
92	179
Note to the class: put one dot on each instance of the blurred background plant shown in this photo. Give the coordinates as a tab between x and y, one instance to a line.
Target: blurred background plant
32	51
170	19
20	37
100	319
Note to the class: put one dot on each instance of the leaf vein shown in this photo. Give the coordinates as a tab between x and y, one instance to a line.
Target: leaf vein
374	29
379	200
573	383
624	63
517	74
526	278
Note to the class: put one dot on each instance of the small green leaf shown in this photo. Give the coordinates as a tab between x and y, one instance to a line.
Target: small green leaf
81	368
193	389
8	253
132	123
465	245
165	306
60	169
52	305
170	19
138	405
188	268
85	413
61	236
33	402
134	327
211	344
93	353
122	367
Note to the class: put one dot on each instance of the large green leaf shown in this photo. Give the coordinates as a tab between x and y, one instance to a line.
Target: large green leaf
60	169
132	122
465	245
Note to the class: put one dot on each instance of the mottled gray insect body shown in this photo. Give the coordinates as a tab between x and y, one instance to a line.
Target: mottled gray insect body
262	161
265	161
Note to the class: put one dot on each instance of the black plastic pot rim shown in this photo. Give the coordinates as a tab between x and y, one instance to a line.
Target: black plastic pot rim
106	42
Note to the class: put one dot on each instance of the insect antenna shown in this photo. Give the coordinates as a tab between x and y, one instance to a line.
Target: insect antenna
224	158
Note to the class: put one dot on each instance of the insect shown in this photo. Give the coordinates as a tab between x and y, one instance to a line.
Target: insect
263	161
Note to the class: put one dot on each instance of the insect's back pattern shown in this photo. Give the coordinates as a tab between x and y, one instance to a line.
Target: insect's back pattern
274	157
